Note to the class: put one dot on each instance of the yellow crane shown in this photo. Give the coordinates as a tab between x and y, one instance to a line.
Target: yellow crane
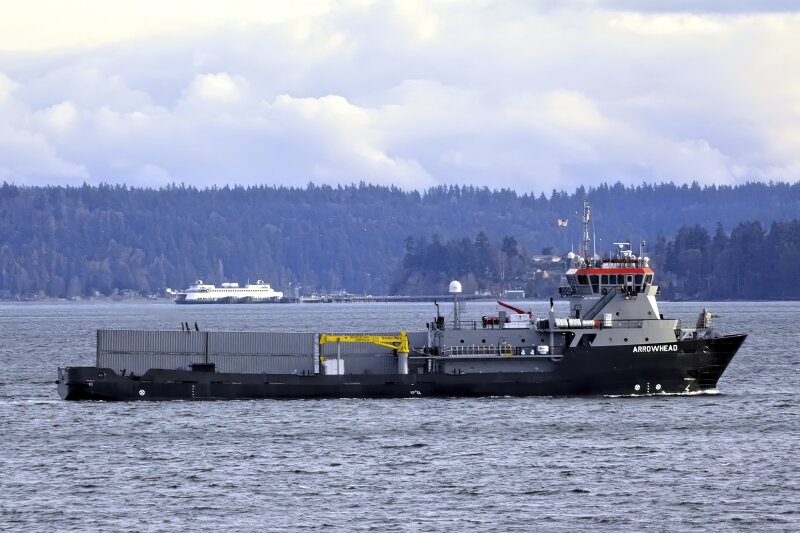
395	342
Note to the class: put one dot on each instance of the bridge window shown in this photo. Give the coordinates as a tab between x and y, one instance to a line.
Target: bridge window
583	280
604	279
639	279
648	278
595	282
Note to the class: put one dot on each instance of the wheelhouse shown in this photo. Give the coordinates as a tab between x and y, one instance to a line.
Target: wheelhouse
599	281
597	277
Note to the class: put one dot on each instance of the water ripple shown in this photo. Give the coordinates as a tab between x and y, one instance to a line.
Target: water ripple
714	461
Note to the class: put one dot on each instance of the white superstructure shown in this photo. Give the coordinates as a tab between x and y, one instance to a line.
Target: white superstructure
203	293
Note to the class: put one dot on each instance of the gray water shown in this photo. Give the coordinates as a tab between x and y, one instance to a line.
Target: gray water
705	462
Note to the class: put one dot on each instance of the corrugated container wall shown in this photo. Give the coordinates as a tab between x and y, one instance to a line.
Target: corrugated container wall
247	352
142	362
137	341
260	343
273	364
370	364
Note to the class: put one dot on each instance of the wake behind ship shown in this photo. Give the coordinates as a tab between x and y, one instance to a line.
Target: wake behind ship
614	341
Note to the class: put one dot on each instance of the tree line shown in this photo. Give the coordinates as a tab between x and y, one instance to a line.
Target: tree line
747	263
80	241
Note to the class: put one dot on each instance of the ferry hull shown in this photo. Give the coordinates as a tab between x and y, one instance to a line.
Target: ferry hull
229	300
696	366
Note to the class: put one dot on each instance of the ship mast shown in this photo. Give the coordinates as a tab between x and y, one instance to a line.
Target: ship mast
586	217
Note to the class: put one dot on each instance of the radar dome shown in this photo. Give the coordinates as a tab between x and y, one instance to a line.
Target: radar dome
571	256
455	286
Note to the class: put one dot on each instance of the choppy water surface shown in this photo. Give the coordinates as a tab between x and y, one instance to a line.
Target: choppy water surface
706	462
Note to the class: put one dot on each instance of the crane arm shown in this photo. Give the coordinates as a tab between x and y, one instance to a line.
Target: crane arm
395	342
515	309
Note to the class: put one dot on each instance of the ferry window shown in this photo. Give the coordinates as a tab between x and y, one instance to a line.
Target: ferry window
604	279
582	280
639	279
614	280
630	279
648	278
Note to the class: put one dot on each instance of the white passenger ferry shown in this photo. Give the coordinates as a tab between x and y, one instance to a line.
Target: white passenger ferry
228	293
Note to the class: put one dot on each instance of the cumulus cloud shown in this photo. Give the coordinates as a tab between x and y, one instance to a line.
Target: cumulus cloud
216	88
529	95
57	119
699	6
6	87
29	158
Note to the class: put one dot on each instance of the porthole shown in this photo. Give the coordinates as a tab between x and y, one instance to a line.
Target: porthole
522	340
483	341
462	341
646	339
625	339
617	313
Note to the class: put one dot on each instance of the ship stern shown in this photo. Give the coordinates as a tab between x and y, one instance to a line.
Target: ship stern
72	383
89	383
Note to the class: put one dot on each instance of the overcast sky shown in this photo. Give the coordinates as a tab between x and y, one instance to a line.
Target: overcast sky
528	95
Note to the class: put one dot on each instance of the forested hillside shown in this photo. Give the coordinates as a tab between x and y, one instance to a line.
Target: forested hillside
78	241
748	263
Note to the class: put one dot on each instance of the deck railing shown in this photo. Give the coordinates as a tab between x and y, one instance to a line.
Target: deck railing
496	350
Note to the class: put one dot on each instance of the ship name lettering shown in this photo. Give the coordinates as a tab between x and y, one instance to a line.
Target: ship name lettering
656	348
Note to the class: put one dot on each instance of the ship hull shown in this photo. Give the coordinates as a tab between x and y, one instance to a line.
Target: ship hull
695	366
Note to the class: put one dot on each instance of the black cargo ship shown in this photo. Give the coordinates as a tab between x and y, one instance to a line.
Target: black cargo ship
614	341
693	366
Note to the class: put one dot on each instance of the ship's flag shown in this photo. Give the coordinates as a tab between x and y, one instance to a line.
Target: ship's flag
562	223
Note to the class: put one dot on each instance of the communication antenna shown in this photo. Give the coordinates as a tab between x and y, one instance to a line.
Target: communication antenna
586	218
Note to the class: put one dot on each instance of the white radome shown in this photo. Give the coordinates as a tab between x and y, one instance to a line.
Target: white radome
455	286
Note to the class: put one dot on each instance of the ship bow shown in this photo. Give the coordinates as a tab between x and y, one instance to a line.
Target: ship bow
719	353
